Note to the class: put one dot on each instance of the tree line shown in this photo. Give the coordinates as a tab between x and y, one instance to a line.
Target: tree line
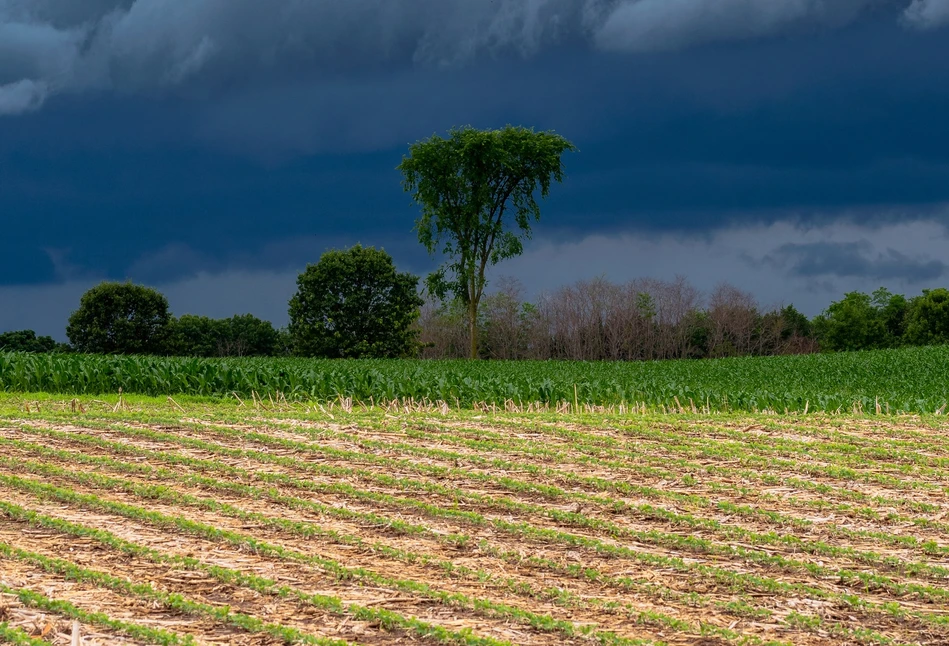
650	319
353	303
597	320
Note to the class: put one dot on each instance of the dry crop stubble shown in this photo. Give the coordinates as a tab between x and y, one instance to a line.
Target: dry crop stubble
448	527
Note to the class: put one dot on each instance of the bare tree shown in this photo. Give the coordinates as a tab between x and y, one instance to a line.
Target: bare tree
443	330
576	318
733	316
504	334
593	320
677	306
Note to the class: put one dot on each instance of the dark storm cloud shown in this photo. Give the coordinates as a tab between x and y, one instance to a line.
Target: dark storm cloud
853	259
49	47
691	116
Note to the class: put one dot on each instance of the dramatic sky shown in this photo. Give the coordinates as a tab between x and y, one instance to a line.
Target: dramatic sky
797	149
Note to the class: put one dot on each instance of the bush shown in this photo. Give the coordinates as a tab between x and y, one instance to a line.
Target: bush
354	304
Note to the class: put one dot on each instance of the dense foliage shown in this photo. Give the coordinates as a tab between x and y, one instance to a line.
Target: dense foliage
905	379
120	318
884	320
27	341
354	304
239	336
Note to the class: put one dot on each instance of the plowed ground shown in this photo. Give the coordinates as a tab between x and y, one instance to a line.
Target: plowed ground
428	528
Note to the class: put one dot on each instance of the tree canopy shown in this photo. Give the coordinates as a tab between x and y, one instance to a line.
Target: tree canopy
241	335
862	321
354	304
466	185
27	341
119	318
929	318
191	335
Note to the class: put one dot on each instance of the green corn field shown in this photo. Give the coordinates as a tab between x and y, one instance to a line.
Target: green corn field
913	380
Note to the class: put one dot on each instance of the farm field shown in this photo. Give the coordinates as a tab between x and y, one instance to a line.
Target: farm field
909	380
176	521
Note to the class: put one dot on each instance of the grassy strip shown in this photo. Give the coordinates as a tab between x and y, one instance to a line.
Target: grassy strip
61	607
17	637
726	577
825	382
341	572
576	519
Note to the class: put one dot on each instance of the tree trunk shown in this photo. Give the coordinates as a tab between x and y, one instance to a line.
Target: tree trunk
473	327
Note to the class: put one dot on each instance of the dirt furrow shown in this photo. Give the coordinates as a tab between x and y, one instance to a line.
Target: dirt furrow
649	452
721	481
855	431
631	520
645	466
313	580
270	608
617	566
882	456
56	629
302	576
94	599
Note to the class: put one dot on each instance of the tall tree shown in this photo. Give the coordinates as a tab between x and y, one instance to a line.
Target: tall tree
466	184
119	318
354	304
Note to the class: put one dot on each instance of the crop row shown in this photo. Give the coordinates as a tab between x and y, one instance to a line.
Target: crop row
475	478
857	579
642	465
910	380
181	524
479	606
432	490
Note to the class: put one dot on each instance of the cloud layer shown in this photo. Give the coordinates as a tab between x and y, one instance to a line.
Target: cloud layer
927	14
49	47
808	265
